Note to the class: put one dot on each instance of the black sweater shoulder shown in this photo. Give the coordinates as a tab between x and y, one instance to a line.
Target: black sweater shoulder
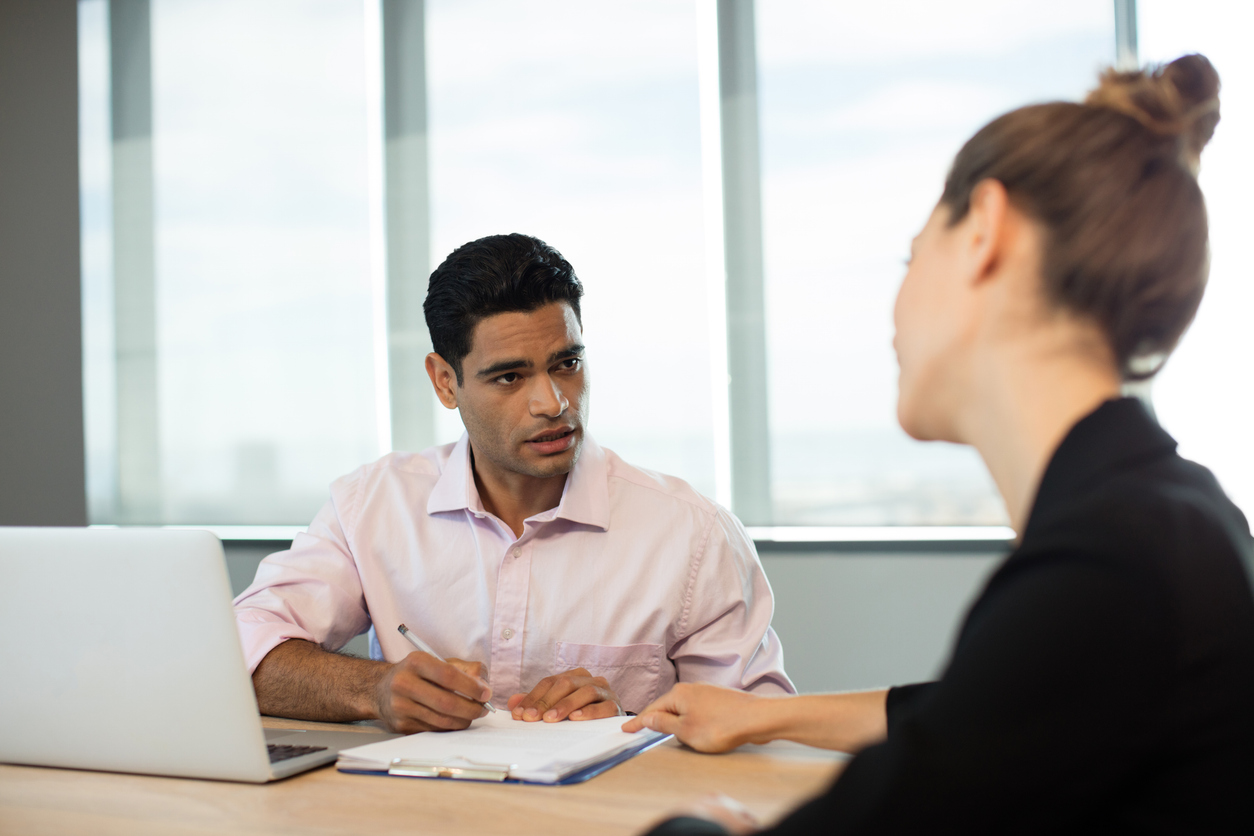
1102	678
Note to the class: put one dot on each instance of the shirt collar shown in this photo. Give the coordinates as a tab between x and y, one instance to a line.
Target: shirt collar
455	489
1117	435
585	497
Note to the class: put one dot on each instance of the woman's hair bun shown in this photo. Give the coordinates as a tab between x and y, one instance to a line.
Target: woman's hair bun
1180	99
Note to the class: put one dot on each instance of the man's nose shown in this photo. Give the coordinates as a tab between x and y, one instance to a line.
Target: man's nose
547	398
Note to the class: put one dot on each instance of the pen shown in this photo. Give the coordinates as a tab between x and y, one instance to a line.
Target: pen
426	648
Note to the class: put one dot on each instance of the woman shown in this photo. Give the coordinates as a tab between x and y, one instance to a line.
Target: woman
1105	677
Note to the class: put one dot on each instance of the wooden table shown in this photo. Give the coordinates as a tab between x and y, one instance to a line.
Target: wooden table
769	780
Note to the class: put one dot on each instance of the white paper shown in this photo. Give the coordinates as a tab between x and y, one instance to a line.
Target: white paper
544	752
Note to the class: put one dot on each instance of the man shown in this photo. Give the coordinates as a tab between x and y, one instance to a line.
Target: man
578	585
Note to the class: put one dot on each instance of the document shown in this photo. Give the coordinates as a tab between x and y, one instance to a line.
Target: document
498	747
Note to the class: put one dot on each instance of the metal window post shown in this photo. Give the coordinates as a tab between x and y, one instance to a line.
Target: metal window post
1126	57
743	262
407	206
134	257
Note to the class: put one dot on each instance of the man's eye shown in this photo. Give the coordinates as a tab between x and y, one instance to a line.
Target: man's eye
572	363
508	377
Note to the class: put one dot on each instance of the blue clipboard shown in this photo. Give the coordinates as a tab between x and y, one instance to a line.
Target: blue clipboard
500	775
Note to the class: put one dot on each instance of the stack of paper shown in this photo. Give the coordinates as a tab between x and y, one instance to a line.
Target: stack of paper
538	752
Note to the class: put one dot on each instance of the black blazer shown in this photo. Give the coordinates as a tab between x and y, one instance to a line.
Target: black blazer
1104	679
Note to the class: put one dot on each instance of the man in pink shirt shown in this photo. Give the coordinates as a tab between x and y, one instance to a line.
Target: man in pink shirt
576	585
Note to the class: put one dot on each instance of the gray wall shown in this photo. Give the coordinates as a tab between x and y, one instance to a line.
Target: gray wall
847	619
851	620
41	382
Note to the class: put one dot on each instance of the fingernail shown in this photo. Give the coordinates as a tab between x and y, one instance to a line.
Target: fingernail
578	712
485	695
551	714
531	714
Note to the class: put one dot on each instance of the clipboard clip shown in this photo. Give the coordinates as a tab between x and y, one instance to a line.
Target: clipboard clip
408	768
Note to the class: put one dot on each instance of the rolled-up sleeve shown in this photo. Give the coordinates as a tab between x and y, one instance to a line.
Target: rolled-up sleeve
311	591
726	631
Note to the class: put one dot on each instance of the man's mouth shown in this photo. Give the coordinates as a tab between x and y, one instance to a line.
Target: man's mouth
553	441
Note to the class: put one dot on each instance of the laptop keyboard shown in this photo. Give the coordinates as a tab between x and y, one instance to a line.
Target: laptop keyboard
282	753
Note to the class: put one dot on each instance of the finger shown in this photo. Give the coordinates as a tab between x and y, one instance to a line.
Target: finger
451	709
562	687
668	702
424	692
731	813
515	701
447	676
432	720
661	721
408	717
529	699
597	711
585	695
474	669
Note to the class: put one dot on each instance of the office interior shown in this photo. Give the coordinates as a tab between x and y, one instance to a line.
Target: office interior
216	220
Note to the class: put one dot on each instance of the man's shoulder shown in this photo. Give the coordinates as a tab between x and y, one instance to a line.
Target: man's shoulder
423	466
639	481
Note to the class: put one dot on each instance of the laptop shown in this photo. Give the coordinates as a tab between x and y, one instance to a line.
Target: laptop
119	652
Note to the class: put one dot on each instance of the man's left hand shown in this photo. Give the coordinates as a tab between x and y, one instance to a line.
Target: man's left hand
574	695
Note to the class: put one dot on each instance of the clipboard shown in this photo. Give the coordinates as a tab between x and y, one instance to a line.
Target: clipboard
500	773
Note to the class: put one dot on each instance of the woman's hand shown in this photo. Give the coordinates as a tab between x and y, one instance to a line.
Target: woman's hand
726	812
713	719
706	717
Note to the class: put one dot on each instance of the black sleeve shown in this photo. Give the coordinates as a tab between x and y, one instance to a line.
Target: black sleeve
902	697
688	826
1042	705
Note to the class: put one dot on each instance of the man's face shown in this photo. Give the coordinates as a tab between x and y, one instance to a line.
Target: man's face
524	396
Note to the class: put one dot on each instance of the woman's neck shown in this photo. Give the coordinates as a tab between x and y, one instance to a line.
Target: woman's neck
1028	398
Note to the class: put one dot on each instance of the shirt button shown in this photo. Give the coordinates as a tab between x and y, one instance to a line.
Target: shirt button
517	552
507	634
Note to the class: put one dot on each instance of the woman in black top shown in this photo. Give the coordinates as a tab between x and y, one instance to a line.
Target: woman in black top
1105	677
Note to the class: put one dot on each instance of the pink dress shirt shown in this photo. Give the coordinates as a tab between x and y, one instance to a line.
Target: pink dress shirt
634	576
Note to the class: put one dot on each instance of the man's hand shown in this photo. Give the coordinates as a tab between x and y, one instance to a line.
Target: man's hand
706	717
421	693
574	695
299	679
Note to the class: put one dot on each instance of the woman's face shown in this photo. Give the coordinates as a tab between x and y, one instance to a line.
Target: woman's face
933	317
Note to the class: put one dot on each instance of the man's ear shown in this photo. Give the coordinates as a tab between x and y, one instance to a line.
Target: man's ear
443	379
986	222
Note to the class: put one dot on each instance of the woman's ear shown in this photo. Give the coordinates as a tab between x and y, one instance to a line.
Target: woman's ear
443	379
986	229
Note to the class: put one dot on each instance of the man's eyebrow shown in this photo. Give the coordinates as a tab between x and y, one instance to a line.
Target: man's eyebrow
572	350
503	366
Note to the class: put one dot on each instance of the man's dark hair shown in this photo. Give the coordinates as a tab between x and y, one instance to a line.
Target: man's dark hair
496	274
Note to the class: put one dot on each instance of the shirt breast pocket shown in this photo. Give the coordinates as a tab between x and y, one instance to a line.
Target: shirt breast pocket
632	670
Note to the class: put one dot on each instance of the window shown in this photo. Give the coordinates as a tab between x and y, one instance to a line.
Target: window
266	187
863	107
1202	396
236	159
579	123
